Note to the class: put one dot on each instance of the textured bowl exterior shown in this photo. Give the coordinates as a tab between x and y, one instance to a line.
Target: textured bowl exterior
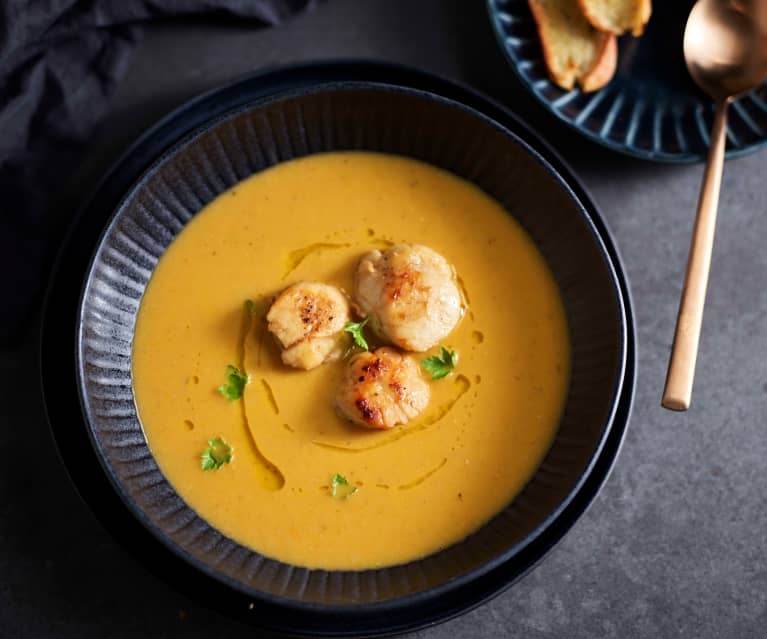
651	109
294	124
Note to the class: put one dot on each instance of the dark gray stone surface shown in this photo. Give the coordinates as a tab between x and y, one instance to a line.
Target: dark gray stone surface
674	545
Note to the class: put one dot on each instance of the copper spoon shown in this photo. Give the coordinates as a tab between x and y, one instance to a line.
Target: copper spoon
725	48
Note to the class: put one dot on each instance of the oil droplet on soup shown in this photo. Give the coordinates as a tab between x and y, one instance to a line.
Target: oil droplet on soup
441	476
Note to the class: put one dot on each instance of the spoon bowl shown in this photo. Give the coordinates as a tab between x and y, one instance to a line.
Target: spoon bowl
725	46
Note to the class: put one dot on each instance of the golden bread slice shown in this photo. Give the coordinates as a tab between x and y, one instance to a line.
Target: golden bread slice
617	16
573	49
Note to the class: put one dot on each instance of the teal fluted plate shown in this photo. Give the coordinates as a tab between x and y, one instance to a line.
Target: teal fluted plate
651	109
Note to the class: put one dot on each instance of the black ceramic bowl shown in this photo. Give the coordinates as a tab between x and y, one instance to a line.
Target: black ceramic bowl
342	114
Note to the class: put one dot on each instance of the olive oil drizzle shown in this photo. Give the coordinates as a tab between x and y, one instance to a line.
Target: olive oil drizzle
295	258
270	475
422	478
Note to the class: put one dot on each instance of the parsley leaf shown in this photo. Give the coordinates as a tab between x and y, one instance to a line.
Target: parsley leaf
235	383
355	328
440	365
216	454
340	487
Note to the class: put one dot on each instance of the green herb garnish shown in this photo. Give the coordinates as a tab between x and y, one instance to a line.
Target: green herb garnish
216	454
355	328
340	487
235	383
441	365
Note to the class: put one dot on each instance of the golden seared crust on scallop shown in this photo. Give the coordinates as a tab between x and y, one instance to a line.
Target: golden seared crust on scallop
574	50
308	319
410	293
382	389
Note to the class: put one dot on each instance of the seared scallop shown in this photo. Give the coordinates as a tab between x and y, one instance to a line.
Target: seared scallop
382	389
308	320
410	293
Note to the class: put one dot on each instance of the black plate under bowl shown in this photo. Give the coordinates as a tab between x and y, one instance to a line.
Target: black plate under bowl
205	148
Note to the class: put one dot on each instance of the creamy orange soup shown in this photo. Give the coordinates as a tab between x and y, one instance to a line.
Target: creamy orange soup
421	486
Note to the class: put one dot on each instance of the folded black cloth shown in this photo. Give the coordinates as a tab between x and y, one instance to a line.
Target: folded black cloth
60	61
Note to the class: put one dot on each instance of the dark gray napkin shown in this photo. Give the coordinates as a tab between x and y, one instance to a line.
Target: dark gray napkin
60	61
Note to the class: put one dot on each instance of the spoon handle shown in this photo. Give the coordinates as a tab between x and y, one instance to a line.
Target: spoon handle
681	368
